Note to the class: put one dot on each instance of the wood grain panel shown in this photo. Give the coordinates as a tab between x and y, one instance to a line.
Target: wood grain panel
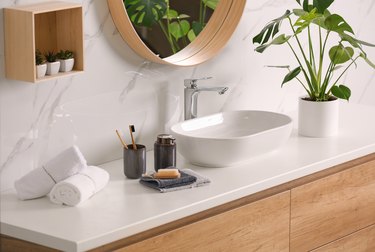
49	26
45	32
10	244
361	241
332	207
69	25
260	226
46	6
19	45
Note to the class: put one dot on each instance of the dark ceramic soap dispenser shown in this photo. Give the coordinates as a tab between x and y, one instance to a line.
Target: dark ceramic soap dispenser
164	152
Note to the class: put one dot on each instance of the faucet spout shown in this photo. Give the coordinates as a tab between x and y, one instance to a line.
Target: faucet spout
191	92
219	90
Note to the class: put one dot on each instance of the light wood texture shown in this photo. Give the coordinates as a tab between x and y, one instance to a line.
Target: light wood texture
46	7
234	204
361	241
49	26
19	45
10	244
332	207
45	32
261	226
210	41
69	27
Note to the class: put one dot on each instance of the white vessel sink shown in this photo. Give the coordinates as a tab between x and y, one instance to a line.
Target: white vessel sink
231	138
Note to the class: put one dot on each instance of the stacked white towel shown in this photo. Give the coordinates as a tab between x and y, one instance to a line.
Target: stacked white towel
79	187
39	182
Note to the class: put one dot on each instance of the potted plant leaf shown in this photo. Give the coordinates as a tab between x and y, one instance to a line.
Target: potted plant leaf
66	59
318	69
178	29
53	65
41	66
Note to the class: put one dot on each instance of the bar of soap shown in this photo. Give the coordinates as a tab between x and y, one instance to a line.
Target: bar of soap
167	174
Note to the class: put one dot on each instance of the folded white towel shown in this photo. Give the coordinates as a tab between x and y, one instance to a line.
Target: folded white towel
40	181
80	186
35	184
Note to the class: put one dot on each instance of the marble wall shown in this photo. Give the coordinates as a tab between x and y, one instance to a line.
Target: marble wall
119	88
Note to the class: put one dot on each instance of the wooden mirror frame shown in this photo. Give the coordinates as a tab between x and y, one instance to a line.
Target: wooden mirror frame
210	41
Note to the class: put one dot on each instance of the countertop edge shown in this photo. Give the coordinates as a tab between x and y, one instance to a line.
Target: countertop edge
176	214
38	238
223	198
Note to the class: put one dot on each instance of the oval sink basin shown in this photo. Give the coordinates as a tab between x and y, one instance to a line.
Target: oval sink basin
231	138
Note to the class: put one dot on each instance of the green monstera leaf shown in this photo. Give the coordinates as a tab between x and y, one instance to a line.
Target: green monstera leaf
291	75
340	54
305	20
211	3
196	28
270	30
337	24
341	91
179	29
145	12
320	5
173	15
281	39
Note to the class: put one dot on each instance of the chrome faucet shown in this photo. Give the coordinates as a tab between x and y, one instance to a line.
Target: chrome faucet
191	92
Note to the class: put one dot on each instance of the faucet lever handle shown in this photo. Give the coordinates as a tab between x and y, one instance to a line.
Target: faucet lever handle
192	83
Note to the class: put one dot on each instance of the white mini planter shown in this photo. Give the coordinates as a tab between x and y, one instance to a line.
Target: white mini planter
318	119
53	67
66	65
41	70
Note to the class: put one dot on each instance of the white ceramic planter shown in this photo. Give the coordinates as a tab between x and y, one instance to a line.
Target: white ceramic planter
53	67
41	70
66	65
318	119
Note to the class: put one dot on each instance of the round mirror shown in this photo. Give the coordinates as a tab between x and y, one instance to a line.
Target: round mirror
176	32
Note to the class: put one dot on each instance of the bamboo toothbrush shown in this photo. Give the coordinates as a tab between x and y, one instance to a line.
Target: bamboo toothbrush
122	141
132	129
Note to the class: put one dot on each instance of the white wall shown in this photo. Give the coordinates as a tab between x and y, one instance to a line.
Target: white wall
118	88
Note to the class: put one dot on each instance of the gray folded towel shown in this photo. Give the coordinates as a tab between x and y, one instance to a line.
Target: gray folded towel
188	179
159	184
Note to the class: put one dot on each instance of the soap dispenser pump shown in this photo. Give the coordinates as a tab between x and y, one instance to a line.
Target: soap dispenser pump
164	152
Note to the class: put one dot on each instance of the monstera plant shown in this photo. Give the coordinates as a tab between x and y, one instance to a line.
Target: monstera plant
321	68
319	79
177	28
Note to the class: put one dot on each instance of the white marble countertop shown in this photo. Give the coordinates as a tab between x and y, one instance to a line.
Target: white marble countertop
125	207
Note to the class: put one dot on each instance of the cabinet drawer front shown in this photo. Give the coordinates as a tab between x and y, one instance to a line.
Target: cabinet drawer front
260	226
332	207
361	241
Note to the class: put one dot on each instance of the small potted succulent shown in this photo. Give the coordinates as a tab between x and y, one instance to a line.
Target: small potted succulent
66	59
321	68
41	66
53	65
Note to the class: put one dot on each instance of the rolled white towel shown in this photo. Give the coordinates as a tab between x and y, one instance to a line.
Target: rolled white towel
79	187
40	181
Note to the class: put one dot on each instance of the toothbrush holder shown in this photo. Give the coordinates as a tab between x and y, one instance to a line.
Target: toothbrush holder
134	161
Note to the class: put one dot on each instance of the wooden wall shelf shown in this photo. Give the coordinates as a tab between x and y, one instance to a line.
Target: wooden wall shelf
49	26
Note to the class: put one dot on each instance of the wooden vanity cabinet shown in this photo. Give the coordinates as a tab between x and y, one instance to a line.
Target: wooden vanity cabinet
332	210
259	226
360	241
332	207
